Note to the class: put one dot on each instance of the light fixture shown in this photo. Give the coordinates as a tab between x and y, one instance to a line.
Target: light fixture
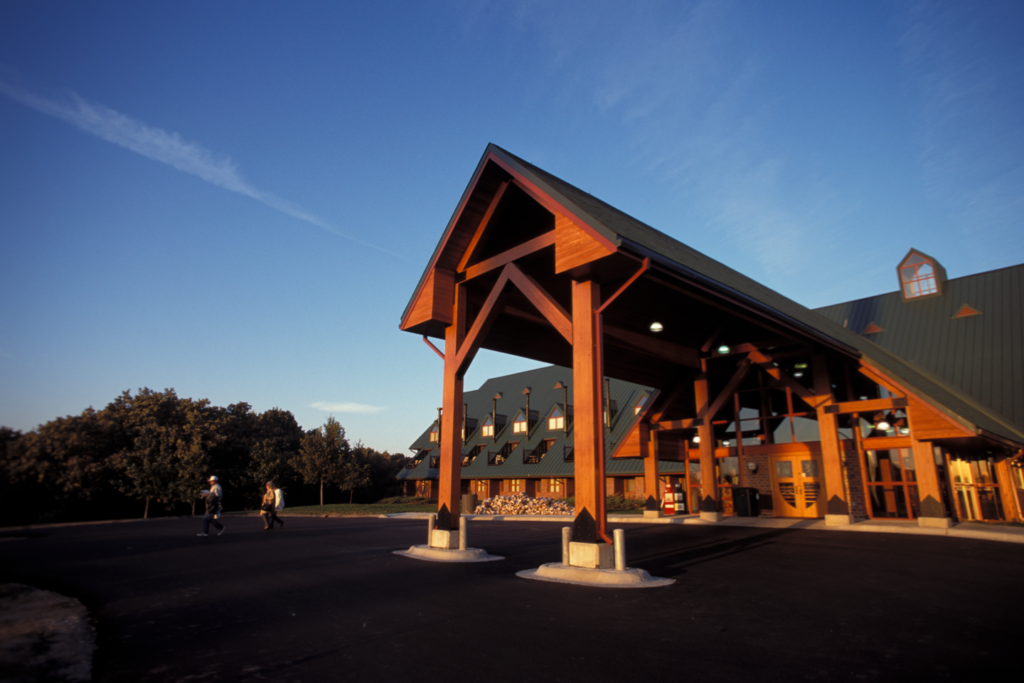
657	327
723	349
696	439
798	374
884	426
800	366
752	466
726	443
863	398
904	431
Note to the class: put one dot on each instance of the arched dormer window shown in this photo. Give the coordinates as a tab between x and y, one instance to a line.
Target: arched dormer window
920	276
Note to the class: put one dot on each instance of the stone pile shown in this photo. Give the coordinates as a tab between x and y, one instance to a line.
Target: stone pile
521	504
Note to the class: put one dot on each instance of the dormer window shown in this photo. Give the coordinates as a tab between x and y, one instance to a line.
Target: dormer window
612	407
556	420
468	426
433	433
640	405
520	426
488	427
920	276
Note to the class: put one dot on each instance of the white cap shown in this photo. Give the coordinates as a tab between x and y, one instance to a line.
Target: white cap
212	478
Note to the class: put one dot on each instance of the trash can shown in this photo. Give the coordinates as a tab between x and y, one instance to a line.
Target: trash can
468	503
745	501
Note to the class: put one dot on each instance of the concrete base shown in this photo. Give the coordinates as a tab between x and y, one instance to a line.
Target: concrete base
446	540
935	522
600	578
430	554
711	516
654	514
591	556
838	520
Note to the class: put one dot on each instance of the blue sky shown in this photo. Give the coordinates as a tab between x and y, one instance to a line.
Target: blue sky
237	200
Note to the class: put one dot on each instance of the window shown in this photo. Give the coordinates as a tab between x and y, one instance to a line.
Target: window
519	426
554	485
433	433
545	446
488	427
556	420
515	485
918	277
640	405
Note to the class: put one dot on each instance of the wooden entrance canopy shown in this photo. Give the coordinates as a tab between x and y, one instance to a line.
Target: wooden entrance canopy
534	267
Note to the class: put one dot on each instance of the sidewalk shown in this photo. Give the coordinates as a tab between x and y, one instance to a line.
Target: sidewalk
975	530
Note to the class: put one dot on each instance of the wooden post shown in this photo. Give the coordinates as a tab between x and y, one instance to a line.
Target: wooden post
709	507
837	507
449	500
929	488
649	452
586	412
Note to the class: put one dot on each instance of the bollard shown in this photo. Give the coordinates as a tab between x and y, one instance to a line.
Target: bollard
566	537
619	538
431	521
463	523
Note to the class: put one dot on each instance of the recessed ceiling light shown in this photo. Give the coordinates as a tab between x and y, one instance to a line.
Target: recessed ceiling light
657	327
798	374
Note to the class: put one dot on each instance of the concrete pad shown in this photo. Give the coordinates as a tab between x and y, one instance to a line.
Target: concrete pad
444	539
425	552
711	516
591	555
557	572
935	522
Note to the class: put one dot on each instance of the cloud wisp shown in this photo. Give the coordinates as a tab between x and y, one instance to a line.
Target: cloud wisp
163	146
357	408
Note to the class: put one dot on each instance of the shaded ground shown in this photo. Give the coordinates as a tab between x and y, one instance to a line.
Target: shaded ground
325	599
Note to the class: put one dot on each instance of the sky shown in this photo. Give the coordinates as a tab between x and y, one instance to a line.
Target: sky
236	200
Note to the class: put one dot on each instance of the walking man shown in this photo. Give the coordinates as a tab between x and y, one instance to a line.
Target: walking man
213	499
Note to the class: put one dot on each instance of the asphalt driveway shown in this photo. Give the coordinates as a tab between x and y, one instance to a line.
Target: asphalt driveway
326	600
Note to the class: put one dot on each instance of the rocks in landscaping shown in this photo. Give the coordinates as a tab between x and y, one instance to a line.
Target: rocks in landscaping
521	504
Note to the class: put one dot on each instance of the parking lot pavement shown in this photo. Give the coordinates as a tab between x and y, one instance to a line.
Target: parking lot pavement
326	599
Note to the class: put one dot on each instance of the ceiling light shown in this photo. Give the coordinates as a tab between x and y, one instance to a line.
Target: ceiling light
798	374
800	366
884	426
696	439
657	327
723	349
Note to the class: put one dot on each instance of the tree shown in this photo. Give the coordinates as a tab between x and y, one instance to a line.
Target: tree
355	472
320	455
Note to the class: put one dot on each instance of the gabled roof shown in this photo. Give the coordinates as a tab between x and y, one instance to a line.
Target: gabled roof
615	230
981	356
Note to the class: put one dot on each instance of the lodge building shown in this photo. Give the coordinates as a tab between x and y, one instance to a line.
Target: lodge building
668	367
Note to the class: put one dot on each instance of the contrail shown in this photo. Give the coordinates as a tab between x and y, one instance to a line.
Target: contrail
168	148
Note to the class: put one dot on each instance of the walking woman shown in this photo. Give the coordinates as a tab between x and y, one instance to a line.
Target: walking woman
267	509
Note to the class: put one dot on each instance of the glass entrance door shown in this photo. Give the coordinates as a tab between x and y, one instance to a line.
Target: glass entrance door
796	485
892	484
975	488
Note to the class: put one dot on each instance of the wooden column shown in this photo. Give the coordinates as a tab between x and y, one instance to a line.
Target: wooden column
649	452
586	297
837	507
449	495
929	488
709	507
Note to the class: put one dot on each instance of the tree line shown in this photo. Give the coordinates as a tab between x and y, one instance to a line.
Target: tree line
150	453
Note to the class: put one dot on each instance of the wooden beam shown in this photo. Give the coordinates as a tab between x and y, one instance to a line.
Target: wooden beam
869	406
524	249
484	222
482	324
727	392
671	425
658	348
836	502
782	378
709	485
545	303
436	350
